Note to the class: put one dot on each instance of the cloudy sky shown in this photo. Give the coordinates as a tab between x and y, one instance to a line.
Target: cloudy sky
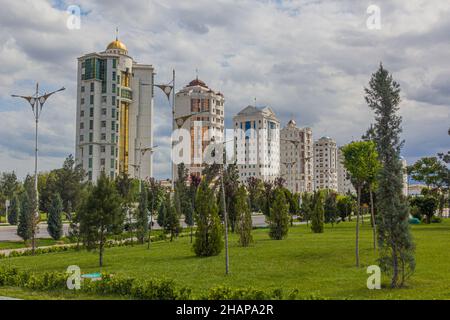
308	59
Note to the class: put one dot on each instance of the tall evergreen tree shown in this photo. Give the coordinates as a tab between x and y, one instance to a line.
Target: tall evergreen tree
330	208
306	207
208	236
394	236
25	225
189	218
244	218
54	223
279	216
317	214
100	215
14	210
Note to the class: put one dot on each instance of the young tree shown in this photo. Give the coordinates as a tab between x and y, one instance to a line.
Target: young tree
359	158
69	182
124	186
394	237
244	218
141	215
330	208
14	211
156	196
317	214
267	198
25	225
100	215
189	218
208	236
172	221
278	218
231	183
54	222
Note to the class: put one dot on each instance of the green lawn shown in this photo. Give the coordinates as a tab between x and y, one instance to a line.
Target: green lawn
21	244
313	263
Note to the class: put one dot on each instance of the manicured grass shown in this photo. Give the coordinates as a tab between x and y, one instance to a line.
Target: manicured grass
321	264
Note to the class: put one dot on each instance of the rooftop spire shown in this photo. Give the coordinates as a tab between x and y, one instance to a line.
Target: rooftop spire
117	33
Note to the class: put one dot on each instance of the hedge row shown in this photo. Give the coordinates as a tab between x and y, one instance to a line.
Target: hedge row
152	289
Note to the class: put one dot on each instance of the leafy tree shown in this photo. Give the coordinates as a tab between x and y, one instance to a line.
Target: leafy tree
394	237
142	216
54	223
344	206
70	182
306	207
360	160
278	218
156	196
125	188
317	214
427	206
427	170
255	189
330	208
9	185
14	210
208	236
244	218
100	215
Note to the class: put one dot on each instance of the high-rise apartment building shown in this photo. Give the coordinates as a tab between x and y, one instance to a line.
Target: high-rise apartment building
257	143
325	164
296	158
200	110
114	113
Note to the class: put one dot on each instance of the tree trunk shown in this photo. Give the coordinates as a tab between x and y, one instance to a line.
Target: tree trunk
357	226
101	254
191	233
372	212
394	281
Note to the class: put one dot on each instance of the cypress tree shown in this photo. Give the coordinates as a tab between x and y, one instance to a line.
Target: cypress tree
279	216
394	236
54	223
25	225
208	236
317	214
14	211
244	218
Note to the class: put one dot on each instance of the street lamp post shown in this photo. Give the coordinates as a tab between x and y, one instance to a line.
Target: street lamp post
37	103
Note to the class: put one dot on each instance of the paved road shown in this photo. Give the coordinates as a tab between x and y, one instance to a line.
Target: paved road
9	233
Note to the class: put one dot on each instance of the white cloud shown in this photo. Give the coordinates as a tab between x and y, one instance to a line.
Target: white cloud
309	59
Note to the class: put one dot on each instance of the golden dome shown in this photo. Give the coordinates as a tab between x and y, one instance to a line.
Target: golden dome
116	44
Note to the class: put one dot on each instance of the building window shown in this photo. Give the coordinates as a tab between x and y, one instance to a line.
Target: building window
90	175
104	112
91	137
113	113
92	87
81	138
82	101
90	163
81	125
114	63
91	112
113	125
103	136
82	113
82	88
112	151
102	162
113	163
114	76
113	100
102	149
91	150
103	99
113	88
91	124
103	124
91	100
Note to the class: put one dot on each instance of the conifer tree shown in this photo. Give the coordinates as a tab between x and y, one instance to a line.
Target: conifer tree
244	217
208	236
394	236
25	225
317	214
279	216
14	211
54	223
